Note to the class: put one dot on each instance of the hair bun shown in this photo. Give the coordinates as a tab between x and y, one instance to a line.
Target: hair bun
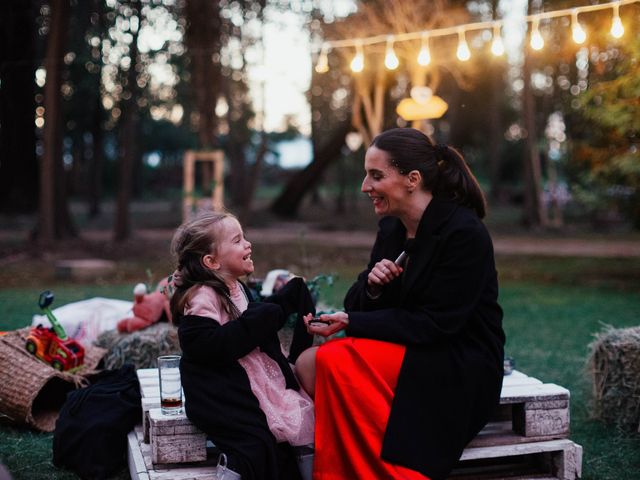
442	149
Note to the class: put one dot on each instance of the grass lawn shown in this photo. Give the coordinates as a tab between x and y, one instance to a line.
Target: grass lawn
552	309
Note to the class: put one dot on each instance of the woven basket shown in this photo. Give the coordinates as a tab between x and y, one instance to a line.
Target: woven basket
33	392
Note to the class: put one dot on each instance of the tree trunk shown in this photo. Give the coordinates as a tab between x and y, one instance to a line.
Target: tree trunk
238	176
128	138
18	162
254	176
534	214
203	46
496	136
97	161
288	202
54	218
370	99
235	147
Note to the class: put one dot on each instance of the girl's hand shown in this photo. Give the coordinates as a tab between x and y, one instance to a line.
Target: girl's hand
382	273
337	321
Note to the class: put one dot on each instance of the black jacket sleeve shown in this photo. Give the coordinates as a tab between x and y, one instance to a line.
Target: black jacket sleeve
385	246
293	297
458	276
204	341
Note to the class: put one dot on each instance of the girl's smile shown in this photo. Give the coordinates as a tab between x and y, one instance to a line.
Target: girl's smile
233	255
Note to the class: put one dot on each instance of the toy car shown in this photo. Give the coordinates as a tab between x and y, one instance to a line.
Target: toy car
51	345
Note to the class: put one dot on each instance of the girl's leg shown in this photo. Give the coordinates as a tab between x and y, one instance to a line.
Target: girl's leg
306	370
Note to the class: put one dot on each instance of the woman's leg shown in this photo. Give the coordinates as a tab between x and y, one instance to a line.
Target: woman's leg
355	386
306	370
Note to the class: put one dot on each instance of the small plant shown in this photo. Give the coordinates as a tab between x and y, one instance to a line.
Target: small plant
315	285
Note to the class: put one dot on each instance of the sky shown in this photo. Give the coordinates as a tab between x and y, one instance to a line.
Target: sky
285	69
282	73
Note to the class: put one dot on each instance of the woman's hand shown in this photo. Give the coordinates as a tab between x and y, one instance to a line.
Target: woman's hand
336	322
382	273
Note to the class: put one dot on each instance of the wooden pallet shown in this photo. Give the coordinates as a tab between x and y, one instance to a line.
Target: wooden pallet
141	466
526	439
551	459
529	411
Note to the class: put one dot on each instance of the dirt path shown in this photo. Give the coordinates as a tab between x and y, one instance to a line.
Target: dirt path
301	233
503	244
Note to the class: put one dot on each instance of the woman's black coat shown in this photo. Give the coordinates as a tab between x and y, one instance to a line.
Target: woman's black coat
218	395
444	309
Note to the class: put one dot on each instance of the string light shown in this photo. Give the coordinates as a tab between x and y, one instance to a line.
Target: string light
390	59
323	62
463	52
617	29
578	33
424	57
357	64
537	42
497	47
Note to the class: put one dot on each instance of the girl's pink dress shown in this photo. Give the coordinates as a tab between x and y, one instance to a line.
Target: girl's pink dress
289	413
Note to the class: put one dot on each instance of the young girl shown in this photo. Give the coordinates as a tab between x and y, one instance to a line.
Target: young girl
239	388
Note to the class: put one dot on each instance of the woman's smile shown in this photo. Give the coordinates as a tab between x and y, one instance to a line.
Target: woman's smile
376	200
383	184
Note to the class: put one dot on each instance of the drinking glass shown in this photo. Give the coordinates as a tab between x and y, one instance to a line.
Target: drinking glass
170	385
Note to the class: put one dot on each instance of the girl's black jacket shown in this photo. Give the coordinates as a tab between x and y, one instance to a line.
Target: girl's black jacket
218	396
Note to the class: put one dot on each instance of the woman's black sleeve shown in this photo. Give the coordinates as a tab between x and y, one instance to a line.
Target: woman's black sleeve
460	276
205	341
357	298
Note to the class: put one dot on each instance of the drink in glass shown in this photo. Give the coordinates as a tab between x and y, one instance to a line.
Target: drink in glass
170	385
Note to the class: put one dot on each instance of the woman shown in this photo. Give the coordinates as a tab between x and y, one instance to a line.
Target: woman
421	368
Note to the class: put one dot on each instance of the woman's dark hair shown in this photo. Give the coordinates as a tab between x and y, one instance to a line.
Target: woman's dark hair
444	172
192	241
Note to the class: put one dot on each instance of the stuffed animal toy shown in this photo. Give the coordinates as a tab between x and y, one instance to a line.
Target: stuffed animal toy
147	309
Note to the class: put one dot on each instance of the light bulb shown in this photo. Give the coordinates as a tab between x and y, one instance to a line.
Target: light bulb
578	33
463	52
497	47
424	57
357	64
537	42
390	58
617	29
323	62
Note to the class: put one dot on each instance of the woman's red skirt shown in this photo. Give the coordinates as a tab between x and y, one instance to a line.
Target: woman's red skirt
355	382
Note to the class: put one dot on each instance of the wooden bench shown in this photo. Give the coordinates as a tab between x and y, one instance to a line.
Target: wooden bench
526	439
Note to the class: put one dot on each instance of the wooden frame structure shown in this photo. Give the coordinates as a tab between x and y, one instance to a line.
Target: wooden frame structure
216	201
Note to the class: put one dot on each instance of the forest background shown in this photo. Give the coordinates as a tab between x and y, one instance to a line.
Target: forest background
100	99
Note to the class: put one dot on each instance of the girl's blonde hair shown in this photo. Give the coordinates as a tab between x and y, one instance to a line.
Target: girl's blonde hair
192	241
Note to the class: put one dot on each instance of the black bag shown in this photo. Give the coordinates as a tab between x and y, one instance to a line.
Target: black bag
90	438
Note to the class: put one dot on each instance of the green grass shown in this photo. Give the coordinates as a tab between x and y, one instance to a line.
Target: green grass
553	307
548	332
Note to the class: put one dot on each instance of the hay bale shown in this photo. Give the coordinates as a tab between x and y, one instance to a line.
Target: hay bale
614	364
140	348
